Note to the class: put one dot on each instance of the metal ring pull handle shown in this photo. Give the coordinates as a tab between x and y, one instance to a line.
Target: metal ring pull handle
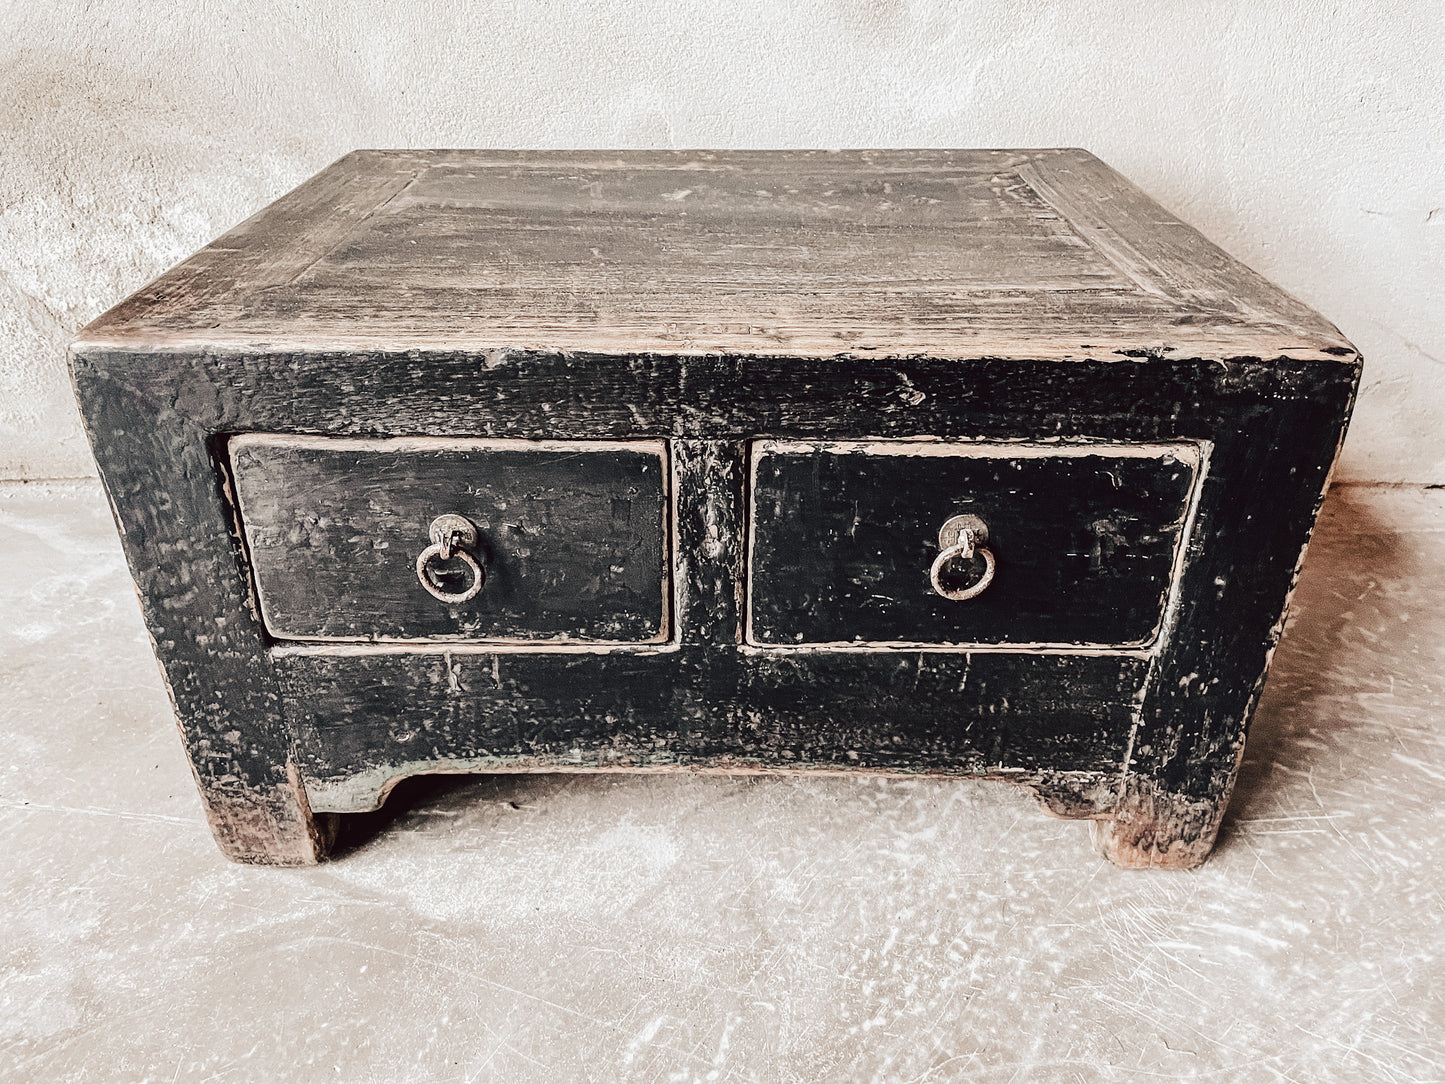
962	538
451	536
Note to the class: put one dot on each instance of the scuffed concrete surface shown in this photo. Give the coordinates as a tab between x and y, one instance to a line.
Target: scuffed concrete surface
1305	137
693	928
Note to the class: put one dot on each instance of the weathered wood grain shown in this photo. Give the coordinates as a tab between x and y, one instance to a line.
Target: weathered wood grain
711	303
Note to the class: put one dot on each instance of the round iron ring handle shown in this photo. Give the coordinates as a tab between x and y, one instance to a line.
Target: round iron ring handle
966	550
452	535
424	574
962	537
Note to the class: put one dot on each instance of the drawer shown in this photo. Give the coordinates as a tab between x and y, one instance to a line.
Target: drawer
570	538
1083	540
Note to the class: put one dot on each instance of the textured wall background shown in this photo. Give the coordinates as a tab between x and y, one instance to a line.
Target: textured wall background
1305	136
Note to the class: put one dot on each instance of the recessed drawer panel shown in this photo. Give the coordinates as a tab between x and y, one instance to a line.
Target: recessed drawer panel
1082	541
569	538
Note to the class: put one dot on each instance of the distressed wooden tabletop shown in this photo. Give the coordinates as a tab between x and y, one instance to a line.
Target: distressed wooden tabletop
1040	254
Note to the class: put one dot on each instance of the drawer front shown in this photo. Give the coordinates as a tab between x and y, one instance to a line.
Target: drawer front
570	537
1084	539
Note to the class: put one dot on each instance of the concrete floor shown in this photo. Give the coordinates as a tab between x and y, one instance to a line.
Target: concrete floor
653	928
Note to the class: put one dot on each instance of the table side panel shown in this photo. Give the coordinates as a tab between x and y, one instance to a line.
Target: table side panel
364	720
1274	425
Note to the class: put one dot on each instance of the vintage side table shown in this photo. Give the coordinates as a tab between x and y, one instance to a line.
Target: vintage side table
975	463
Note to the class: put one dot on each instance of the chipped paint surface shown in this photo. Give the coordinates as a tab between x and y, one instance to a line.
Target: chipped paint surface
681	927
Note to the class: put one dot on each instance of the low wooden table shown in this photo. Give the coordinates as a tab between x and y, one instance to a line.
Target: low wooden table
974	463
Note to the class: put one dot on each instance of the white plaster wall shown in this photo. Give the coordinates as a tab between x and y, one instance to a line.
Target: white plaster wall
1305	136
